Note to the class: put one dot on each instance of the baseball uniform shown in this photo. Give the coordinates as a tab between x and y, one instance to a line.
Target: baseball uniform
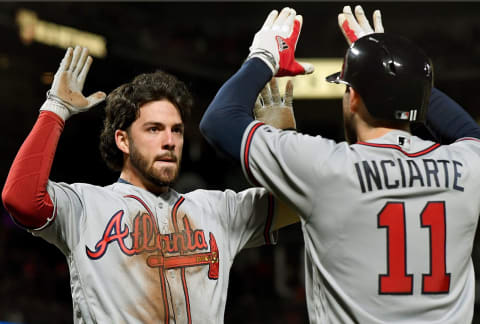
139	258
388	224
133	257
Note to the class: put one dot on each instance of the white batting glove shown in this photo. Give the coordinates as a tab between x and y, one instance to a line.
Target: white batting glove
355	27
65	97
272	110
276	41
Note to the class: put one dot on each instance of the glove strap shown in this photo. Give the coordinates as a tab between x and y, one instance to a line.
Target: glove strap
266	57
57	106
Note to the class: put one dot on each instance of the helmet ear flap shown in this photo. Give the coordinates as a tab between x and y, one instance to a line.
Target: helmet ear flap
389	63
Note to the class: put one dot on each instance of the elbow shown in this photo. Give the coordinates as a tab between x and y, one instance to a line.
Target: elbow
28	213
12	204
206	127
8	199
203	127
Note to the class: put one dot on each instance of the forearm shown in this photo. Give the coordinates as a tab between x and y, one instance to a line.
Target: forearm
447	119
230	112
25	194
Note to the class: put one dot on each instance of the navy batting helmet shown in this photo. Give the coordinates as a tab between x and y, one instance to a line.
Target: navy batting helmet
392	75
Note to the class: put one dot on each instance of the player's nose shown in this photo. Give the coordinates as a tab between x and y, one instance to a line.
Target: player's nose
168	140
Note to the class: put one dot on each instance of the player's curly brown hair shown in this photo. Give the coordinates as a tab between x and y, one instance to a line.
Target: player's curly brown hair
123	108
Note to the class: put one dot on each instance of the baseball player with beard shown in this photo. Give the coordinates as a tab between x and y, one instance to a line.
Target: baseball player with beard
137	251
388	219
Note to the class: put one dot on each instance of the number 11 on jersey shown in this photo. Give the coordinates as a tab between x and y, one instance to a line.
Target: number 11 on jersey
397	281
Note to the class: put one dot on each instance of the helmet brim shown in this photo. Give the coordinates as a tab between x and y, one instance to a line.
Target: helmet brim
335	78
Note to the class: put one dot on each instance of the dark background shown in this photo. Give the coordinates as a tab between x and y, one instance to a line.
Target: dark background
202	43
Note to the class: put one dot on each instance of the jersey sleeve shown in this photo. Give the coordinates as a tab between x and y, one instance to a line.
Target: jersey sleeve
251	214
65	229
284	162
471	144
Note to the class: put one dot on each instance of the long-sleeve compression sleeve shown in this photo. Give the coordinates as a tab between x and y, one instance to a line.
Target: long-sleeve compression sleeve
25	194
230	112
447	119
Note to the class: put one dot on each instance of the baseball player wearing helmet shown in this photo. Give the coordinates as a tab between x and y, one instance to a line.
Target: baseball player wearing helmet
388	219
138	252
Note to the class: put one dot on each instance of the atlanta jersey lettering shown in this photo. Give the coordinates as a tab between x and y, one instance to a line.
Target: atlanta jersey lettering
388	224
139	258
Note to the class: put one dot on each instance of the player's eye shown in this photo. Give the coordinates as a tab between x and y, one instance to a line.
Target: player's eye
178	130
153	129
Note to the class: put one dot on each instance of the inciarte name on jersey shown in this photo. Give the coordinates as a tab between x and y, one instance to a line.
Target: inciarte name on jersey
399	173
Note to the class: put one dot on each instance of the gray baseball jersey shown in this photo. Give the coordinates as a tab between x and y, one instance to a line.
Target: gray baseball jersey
139	258
388	224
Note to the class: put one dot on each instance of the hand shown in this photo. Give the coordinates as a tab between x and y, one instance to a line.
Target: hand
276	41
355	27
270	109
65	97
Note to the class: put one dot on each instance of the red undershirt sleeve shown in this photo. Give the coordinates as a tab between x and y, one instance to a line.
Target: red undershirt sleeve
25	194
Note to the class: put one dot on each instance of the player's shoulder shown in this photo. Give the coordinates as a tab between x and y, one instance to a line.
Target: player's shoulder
78	186
291	142
474	142
466	145
91	190
268	132
204	195
398	141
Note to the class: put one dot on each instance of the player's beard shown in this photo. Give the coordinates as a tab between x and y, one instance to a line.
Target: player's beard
159	177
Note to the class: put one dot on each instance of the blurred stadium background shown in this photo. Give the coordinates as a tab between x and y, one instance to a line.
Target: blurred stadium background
203	43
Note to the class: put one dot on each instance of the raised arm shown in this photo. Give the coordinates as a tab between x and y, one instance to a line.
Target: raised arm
446	119
25	195
271	53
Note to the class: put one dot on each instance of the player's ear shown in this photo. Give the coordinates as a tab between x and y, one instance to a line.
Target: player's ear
121	139
355	100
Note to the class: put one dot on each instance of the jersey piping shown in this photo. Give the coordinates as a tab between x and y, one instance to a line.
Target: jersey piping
247	153
184	280
398	148
468	139
160	269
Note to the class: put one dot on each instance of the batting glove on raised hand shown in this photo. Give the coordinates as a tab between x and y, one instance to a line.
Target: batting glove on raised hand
354	27
65	97
272	110
276	41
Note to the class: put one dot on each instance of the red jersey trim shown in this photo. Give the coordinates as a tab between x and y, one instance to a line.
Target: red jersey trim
468	139
246	155
144	206
160	270
184	279
398	148
174	212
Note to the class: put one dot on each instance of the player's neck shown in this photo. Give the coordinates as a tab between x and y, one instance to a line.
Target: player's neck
373	133
367	133
368	128
132	177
